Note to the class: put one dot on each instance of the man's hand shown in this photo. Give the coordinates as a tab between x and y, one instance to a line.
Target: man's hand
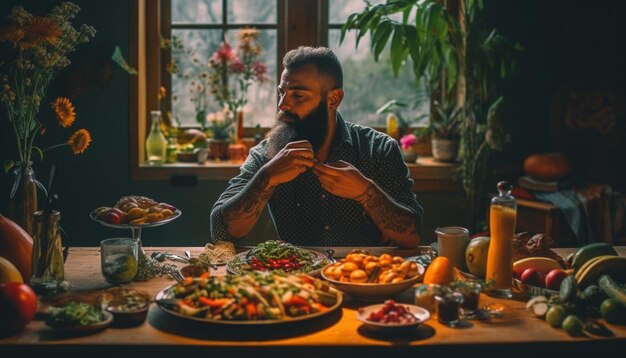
341	179
293	160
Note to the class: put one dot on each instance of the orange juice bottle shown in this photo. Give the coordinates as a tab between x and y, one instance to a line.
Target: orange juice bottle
502	218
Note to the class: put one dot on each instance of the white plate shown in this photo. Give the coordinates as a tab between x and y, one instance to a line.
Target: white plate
421	315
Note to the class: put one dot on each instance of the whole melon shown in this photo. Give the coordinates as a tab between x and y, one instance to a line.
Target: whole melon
16	246
476	255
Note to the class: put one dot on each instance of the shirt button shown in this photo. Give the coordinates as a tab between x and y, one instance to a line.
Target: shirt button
298	204
323	196
326	227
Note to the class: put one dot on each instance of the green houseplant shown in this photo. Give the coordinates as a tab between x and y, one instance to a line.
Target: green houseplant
463	61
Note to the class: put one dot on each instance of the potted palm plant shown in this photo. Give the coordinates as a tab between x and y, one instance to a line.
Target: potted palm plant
462	59
444	131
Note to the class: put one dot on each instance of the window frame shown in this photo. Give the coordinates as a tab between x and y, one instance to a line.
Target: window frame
147	28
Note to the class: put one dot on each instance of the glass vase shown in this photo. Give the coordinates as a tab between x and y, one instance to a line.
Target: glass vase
23	196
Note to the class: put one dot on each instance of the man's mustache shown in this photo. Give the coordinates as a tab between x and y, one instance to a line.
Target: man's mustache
282	116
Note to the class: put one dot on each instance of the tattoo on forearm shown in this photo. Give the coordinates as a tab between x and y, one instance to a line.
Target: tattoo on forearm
389	215
251	201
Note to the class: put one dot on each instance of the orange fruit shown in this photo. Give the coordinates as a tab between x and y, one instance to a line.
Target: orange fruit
440	271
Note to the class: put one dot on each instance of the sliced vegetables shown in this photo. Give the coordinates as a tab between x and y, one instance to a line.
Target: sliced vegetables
253	296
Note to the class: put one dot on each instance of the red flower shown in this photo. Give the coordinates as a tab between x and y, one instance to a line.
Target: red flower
224	53
236	66
259	70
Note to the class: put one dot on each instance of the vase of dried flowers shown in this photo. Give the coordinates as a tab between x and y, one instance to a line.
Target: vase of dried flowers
37	48
23	196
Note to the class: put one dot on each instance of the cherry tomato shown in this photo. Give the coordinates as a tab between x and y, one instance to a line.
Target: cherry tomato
18	304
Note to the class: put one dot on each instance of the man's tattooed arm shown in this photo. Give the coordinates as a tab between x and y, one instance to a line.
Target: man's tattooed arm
396	222
242	211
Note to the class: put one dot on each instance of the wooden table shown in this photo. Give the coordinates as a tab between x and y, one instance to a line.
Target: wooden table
339	334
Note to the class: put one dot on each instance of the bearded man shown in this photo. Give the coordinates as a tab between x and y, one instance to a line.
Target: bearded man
326	181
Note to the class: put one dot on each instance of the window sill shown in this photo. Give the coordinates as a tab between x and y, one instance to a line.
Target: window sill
428	174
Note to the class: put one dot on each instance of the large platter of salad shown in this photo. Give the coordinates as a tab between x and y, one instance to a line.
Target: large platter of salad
253	298
276	255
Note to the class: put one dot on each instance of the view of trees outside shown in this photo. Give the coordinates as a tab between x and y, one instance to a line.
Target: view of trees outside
367	84
188	93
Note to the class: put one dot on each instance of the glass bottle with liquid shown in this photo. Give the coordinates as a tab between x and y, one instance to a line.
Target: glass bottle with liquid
156	144
392	126
502	220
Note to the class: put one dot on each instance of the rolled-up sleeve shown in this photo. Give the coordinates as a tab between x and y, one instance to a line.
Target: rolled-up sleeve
254	162
399	188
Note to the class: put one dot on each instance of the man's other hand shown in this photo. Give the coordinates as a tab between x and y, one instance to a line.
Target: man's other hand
341	179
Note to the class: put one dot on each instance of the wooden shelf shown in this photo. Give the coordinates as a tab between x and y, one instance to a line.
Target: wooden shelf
428	174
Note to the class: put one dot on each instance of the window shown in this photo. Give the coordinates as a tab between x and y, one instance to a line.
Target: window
361	72
201	25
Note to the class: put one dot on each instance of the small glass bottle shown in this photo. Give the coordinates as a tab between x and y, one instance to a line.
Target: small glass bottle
392	126
48	262
502	220
156	144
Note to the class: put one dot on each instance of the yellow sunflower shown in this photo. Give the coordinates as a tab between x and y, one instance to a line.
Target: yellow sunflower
79	141
39	29
64	111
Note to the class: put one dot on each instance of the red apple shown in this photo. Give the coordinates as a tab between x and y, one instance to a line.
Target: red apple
113	217
554	278
532	277
18	304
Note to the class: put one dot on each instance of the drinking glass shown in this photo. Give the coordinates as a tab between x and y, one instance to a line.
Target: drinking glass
471	295
449	308
118	259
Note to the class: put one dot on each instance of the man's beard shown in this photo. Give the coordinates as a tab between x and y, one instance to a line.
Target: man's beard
312	128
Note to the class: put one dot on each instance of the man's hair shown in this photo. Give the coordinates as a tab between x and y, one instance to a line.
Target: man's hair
322	57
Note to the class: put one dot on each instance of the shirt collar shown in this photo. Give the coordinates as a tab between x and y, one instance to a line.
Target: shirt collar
343	133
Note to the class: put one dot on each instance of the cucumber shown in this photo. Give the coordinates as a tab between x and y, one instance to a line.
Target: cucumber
590	251
568	290
612	289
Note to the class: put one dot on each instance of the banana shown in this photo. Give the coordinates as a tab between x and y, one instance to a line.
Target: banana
541	264
584	267
614	266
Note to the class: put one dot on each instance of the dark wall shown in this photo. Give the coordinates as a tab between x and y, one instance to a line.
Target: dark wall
562	38
567	45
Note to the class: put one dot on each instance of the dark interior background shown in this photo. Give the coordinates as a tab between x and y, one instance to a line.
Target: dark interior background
565	41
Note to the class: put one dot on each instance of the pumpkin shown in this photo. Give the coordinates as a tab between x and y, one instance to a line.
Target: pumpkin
16	246
547	166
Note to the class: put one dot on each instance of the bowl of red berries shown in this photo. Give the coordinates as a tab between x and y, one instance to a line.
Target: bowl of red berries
392	316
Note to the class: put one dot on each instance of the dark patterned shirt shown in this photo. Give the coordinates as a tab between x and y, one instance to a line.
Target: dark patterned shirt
305	214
